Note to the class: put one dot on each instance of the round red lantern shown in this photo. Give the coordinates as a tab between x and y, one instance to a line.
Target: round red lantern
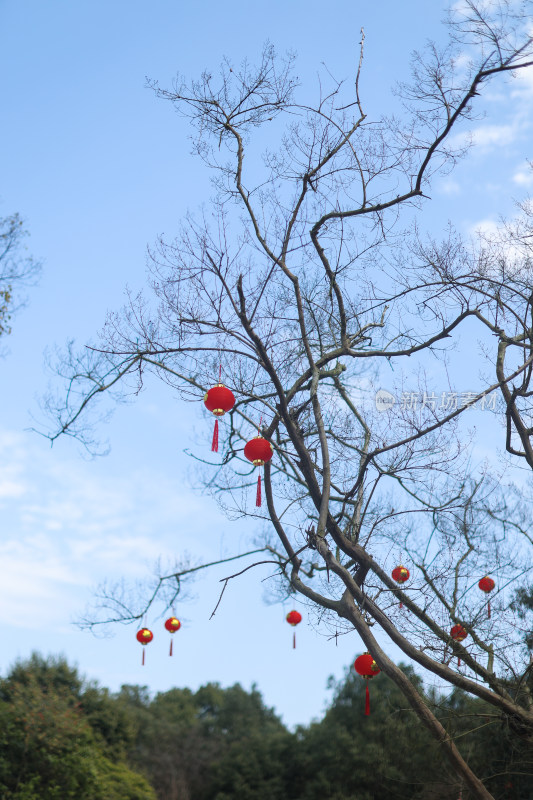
366	667
400	574
172	624
218	400
144	636
458	633
486	585
294	618
258	451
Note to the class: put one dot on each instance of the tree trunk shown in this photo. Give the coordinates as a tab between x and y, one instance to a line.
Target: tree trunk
417	703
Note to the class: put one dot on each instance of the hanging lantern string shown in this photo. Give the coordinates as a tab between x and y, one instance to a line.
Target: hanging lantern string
486	585
218	399
172	624
144	637
258	491
400	574
366	667
294	618
172	609
458	634
143	648
258	450
214	441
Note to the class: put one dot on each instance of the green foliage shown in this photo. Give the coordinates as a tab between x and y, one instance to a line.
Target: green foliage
387	753
496	752
192	744
252	769
51	675
523	605
61	738
48	748
220	744
112	726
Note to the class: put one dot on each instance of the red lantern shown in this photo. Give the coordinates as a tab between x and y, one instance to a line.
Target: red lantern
365	666
294	618
172	624
400	574
486	585
258	451
458	633
218	400
144	636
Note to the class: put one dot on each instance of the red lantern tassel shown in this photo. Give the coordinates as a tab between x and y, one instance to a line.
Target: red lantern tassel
214	443
367	702
258	493
294	640
401	604
170	651
458	662
488	606
142	662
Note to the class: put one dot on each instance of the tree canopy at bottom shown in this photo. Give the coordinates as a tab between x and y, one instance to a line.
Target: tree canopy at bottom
63	738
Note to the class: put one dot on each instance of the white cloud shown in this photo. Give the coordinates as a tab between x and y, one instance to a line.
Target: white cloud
66	525
491	136
9	488
38	583
523	177
450	187
485	227
462	61
488	138
461	7
523	84
11	466
490	229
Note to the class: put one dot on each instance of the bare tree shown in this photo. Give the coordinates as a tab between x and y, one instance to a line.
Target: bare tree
16	269
305	279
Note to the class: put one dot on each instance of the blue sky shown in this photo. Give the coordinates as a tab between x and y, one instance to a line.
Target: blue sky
99	167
